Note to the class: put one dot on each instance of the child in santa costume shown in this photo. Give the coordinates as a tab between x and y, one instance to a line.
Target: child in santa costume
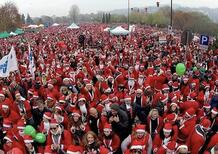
141	135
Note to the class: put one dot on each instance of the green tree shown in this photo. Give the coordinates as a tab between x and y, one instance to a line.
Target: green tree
23	19
74	13
10	19
29	20
103	18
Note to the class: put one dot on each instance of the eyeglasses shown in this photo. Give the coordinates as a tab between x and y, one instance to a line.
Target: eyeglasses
54	128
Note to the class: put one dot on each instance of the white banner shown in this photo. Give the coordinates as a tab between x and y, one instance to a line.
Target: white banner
8	64
32	67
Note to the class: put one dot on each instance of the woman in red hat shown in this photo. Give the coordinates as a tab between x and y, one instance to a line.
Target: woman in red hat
110	140
77	127
141	135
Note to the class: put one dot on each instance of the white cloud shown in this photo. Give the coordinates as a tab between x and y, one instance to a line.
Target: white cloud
61	7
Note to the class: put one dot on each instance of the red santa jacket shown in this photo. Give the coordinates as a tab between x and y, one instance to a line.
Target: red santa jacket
65	139
26	109
213	141
185	129
113	144
196	140
12	116
158	141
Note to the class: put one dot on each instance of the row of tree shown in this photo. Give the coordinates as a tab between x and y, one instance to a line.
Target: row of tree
196	21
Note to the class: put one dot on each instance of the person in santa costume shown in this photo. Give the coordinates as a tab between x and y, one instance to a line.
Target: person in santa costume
186	125
165	136
23	108
30	146
58	138
45	123
140	134
182	149
136	148
154	122
110	140
10	143
170	148
198	136
92	144
77	127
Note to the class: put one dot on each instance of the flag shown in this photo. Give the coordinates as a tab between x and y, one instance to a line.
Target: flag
8	63
32	67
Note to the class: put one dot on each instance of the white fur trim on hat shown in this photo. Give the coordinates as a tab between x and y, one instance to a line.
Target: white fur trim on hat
147	87
140	130
5	106
45	116
70	152
173	104
136	147
6	126
2	95
183	146
20	127
107	129
7	138
167	130
28	141
76	114
214	112
81	99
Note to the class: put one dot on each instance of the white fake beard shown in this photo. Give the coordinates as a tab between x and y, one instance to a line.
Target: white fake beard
128	106
131	83
140	81
46	126
101	66
107	107
83	109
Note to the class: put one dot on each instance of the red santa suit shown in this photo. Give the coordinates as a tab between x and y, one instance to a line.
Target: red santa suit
187	125
63	139
213	141
198	137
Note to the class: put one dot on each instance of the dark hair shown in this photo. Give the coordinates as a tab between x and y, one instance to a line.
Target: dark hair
162	134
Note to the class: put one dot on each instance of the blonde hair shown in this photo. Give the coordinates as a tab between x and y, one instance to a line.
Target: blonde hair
153	110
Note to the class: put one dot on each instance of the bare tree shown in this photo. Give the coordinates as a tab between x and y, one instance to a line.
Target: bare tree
74	13
10	18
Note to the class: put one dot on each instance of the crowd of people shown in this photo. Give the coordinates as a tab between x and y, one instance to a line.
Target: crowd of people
95	93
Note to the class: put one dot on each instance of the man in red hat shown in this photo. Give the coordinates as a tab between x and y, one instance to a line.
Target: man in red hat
198	136
186	125
58	138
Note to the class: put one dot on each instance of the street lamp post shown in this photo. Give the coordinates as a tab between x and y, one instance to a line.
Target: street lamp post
128	14
171	14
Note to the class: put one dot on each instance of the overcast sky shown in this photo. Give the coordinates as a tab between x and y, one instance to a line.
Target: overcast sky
61	7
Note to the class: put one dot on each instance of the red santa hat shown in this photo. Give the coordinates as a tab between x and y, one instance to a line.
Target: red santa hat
214	111
50	96
104	98
81	98
59	108
72	149
20	125
87	82
76	112
127	98
163	98
31	91
17	93
206	106
190	112
28	139
140	128
50	83
53	122
2	94
107	127
8	138
7	123
62	100
175	85
174	104
47	115
167	127
171	117
205	123
183	146
146	86
5	105
165	87
136	145
139	91
35	94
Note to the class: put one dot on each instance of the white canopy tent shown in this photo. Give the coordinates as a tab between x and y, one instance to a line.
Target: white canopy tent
73	26
55	24
119	31
12	34
32	26
106	29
